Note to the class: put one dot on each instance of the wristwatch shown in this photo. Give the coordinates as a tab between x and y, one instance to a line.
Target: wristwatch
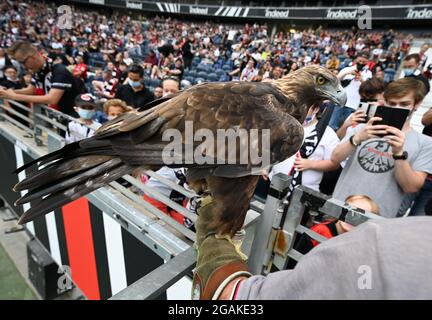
403	156
351	140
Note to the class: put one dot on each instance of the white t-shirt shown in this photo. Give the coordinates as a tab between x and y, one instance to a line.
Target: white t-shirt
311	178
78	131
352	89
167	173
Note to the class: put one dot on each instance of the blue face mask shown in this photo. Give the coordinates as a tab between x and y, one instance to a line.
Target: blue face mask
86	114
408	71
309	119
134	84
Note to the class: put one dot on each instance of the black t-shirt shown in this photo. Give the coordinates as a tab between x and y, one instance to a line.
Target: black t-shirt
57	77
11	84
187	49
133	98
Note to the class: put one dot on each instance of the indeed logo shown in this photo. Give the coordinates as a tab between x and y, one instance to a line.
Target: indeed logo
419	14
133	5
198	10
97	1
276	13
341	14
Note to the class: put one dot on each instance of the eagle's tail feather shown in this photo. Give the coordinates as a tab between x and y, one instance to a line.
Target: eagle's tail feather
67	175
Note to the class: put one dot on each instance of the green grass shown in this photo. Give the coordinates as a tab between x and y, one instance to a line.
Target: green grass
12	284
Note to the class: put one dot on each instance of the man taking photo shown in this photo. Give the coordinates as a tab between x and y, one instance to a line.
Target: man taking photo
385	168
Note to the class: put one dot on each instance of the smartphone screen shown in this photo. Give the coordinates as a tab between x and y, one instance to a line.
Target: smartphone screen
394	117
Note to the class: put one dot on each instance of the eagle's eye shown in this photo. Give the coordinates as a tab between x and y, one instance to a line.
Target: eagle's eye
320	80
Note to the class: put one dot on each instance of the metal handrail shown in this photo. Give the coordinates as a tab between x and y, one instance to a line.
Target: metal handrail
16	113
17	123
162	198
147	206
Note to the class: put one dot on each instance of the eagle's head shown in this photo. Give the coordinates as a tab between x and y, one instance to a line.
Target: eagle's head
312	84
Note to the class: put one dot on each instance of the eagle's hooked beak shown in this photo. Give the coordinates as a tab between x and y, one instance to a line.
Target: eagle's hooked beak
337	95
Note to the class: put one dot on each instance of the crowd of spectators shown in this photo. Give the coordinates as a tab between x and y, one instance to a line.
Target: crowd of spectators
119	63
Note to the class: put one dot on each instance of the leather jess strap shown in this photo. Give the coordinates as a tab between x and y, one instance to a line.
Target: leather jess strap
218	280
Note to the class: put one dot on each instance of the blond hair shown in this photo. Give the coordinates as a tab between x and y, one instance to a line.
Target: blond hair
404	86
374	206
116	103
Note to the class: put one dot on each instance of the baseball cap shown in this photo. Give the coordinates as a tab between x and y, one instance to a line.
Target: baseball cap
85	100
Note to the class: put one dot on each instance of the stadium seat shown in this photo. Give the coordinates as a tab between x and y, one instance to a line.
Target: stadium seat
202	67
199	80
220	72
212	77
226	67
224	78
185	84
155	83
189	78
202	74
193	73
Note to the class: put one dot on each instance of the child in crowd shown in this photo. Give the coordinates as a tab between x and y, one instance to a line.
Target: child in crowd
115	107
331	228
84	127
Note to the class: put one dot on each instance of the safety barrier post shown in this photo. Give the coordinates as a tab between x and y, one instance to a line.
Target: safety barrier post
266	228
37	109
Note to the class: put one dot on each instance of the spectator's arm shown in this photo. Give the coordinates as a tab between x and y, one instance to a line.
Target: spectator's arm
234	72
175	71
97	85
409	180
53	97
355	118
427	118
29	90
324	165
342	151
341	132
344	72
108	95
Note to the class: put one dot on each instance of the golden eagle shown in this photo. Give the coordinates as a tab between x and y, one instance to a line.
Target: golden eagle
135	139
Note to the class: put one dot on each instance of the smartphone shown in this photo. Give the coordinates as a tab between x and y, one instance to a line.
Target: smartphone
365	107
372	110
394	117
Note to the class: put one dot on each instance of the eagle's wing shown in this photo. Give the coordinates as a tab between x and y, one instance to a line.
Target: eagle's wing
135	139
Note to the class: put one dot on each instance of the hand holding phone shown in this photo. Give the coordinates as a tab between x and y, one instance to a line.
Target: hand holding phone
371	130
395	138
359	116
